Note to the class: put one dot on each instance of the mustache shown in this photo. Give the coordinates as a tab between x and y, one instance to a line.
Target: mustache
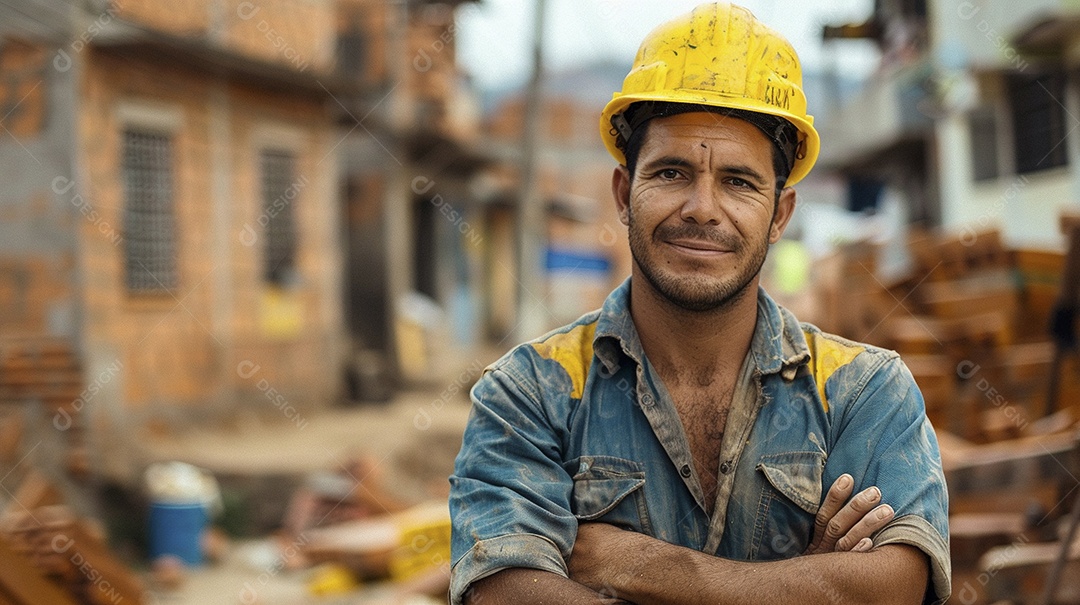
697	232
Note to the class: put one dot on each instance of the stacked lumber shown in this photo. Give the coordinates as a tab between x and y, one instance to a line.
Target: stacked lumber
45	371
50	555
971	320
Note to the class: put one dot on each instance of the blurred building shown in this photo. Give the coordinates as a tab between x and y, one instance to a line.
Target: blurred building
413	232
969	118
882	136
586	254
219	206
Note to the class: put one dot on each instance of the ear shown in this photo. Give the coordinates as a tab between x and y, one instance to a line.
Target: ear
785	209
620	190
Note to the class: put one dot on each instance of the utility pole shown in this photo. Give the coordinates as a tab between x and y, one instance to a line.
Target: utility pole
397	200
531	223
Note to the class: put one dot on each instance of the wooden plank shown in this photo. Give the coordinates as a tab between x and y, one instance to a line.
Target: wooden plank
24	583
973	534
1006	500
34	491
62	546
41	376
1018	571
1038	264
12	427
948	303
117	582
1028	362
918	335
1069	221
7	599
976	455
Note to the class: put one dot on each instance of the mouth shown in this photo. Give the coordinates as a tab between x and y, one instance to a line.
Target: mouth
696	247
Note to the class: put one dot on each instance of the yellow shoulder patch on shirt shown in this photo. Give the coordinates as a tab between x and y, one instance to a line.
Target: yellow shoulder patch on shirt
573	350
827	355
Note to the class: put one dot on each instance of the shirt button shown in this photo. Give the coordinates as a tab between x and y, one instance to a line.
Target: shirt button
725	467
647	400
685	471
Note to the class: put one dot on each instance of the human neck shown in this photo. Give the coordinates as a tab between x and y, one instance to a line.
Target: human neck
680	342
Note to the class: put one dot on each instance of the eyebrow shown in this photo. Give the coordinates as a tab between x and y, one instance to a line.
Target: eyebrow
668	160
739	170
746	171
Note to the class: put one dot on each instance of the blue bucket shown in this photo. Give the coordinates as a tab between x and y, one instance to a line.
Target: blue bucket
177	529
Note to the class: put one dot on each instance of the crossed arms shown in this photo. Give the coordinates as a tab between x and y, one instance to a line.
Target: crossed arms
610	565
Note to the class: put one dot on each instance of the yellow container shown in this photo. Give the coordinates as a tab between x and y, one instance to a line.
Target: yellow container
425	542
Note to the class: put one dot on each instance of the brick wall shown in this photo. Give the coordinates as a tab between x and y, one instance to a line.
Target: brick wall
36	254
22	94
34	291
198	345
294	33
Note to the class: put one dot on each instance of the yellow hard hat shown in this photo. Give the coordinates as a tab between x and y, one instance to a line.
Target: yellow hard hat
718	55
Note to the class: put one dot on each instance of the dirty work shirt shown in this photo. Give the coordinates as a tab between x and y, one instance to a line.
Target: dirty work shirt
576	426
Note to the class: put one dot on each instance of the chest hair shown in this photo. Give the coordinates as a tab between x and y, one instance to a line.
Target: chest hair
703	412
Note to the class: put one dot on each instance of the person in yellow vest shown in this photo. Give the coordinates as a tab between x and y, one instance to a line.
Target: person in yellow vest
691	441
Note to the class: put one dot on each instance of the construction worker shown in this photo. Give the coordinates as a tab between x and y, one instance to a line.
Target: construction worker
691	441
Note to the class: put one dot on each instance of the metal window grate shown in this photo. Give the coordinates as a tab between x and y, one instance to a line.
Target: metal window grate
1038	116
279	190
149	224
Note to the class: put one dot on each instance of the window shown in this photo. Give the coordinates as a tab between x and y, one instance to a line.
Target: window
984	141
149	224
279	191
1038	117
352	49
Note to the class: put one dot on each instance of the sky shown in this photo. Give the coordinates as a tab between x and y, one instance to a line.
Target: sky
495	36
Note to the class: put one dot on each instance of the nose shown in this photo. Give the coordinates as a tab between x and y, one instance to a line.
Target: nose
702	205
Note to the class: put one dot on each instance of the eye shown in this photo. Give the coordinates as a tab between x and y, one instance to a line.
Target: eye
740	183
668	174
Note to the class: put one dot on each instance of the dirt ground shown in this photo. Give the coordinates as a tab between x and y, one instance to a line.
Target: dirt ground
411	441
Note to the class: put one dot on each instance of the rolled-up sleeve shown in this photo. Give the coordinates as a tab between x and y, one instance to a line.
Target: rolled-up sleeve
885	439
509	494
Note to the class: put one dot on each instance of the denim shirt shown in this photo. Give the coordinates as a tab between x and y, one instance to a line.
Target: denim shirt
576	426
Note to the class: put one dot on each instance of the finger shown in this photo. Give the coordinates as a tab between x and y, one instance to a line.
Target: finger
864	545
870	523
834	501
843	521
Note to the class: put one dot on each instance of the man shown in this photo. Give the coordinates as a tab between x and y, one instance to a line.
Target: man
675	446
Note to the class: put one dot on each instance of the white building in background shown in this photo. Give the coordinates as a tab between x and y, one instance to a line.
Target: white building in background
1009	133
973	117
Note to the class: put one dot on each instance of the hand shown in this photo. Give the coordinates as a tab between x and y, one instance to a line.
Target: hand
840	527
595	560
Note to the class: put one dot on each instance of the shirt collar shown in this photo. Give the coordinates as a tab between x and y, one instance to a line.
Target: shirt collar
778	343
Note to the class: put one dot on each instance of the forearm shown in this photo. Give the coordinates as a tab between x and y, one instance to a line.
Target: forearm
661	573
519	586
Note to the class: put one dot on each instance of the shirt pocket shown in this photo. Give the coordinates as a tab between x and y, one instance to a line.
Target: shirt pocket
611	490
790	498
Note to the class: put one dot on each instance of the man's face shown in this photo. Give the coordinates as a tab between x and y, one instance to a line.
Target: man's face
702	209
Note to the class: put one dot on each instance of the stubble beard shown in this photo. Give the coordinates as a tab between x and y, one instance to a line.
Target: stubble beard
696	292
